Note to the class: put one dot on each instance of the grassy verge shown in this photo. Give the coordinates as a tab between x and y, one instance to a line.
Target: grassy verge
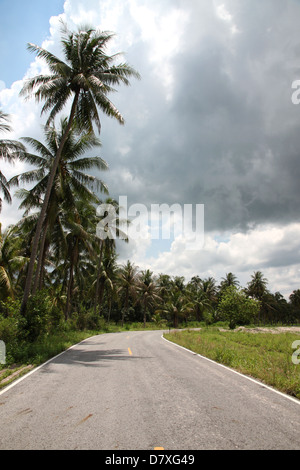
264	356
33	354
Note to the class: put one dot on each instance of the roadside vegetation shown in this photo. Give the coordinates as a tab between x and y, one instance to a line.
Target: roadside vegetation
59	282
259	354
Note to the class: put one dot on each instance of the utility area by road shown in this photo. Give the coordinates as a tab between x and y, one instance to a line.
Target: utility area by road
137	391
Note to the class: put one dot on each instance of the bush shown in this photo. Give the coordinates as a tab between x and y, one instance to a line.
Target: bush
8	329
236	308
88	320
11	322
37	315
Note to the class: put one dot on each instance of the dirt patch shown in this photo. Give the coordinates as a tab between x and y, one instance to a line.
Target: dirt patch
273	330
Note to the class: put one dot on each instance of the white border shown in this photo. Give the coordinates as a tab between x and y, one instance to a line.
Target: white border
295	400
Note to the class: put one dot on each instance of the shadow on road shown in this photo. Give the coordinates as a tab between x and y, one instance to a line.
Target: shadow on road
94	358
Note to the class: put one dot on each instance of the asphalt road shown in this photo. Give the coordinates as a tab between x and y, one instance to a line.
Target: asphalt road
136	391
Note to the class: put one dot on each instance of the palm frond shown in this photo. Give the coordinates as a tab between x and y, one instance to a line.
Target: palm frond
89	162
89	181
52	61
4	188
4	119
11	149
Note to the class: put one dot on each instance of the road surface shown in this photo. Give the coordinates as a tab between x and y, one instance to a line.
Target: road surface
136	391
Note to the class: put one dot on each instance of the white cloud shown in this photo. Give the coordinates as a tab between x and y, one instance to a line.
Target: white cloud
273	250
223	13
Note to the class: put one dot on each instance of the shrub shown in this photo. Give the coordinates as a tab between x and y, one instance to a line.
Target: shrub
237	308
8	329
38	316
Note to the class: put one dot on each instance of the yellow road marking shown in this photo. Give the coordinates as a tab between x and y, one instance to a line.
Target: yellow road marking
159	448
129	350
85	419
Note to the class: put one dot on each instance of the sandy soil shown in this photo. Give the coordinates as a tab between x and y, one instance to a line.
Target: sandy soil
275	329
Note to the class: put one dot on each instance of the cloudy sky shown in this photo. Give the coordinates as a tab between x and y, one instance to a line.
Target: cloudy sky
211	122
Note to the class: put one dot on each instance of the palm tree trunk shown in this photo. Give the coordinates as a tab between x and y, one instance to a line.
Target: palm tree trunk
42	273
39	268
109	309
73	259
175	319
126	306
42	215
70	285
98	276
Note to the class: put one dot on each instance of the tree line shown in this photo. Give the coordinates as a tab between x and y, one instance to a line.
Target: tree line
53	267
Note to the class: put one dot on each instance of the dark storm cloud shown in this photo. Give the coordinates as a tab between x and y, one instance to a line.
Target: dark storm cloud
229	136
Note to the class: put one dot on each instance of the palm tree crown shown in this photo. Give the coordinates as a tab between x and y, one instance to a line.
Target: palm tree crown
87	73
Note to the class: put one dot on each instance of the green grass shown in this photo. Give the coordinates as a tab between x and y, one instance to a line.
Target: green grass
264	356
39	352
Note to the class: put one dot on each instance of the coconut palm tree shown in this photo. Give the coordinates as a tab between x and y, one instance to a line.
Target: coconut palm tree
176	307
108	230
257	287
80	243
229	280
106	278
208	286
71	183
148	291
127	278
87	76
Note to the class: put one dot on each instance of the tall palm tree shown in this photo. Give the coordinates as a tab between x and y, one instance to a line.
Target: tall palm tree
148	291
79	241
72	183
127	285
176	307
86	76
257	287
229	280
208	286
108	229
9	151
106	278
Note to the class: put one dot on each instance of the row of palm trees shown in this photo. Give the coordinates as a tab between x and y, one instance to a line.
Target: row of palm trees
81	274
62	193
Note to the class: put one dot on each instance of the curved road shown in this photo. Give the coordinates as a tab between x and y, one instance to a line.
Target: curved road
136	391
